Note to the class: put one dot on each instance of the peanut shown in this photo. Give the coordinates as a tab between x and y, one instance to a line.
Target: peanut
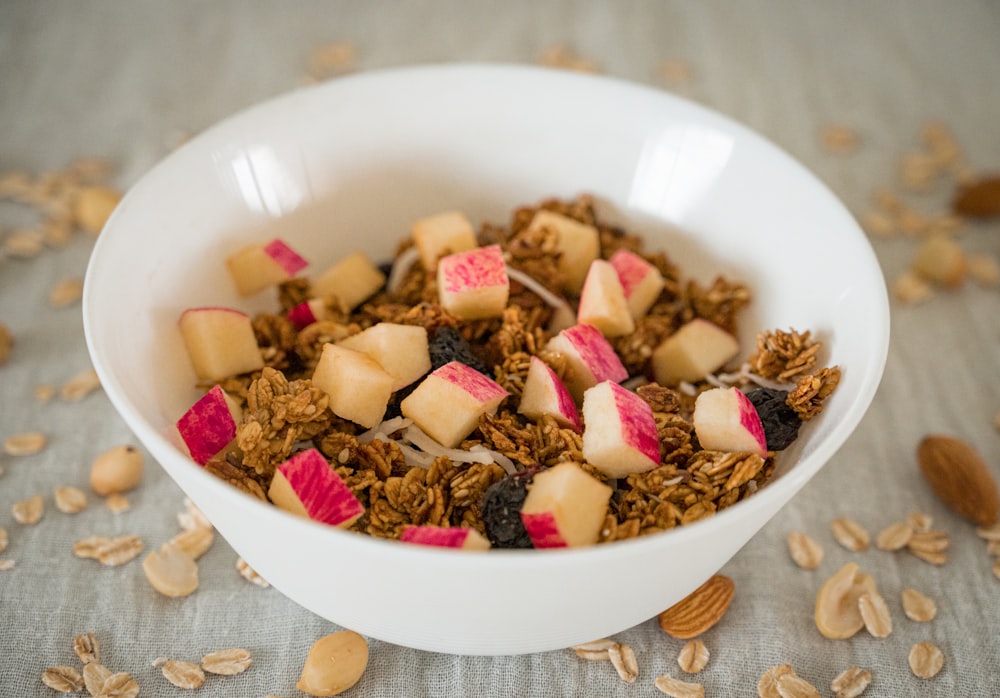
116	470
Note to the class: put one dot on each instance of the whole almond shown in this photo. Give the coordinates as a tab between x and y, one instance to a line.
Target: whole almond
700	610
959	477
979	199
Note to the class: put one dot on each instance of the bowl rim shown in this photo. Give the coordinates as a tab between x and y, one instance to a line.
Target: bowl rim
774	492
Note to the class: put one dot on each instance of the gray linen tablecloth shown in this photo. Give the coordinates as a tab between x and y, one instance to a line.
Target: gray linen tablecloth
129	80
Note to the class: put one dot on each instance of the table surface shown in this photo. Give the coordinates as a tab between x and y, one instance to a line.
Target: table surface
128	81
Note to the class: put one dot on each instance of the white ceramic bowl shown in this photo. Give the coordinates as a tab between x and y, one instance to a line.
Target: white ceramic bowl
351	163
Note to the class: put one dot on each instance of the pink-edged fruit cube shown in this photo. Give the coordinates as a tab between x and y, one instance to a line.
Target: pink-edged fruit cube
442	234
590	358
209	425
578	245
457	537
620	435
220	342
695	350
474	284
725	420
565	507
449	402
603	303
260	265
306	485
358	387
351	281
308	312
399	349
545	394
640	280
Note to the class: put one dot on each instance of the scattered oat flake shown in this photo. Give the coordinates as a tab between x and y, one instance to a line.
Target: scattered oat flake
993	547
183	674
93	206
839	139
805	551
989	532
4	540
928	541
45	392
171	571
248	573
24	243
24	444
676	71
28	511
934	557
879	224
911	289
227	662
894	537
332	59
87	647
850	534
70	500
693	657
192	517
917	606
623	659
6	343
561	56
94	676
120	685
195	541
6	565
996	568
66	292
118	551
596	650
875	613
675	688
117	503
767	685
794	686
80	386
64	679
920	522
851	682
90	546
925	660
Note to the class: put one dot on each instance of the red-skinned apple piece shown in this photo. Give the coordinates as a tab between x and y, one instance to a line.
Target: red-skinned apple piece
603	303
442	234
725	420
590	358
448	403
307	486
308	312
261	265
545	394
695	350
209	425
619	437
358	387
640	280
565	507
473	284
220	342
457	537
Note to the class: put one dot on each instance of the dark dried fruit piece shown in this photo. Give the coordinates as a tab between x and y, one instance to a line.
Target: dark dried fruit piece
447	345
980	199
501	511
781	423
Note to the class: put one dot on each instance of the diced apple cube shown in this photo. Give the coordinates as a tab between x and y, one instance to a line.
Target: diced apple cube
442	234
692	352
399	349
641	281
578	245
726	420
565	507
358	387
602	301
620	436
308	312
209	425
590	357
260	265
454	537
351	281
220	342
306	485
545	394
474	284
448	403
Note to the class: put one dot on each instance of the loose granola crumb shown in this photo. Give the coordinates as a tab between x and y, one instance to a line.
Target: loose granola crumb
810	392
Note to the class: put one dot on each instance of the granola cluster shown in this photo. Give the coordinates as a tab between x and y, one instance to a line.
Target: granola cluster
283	413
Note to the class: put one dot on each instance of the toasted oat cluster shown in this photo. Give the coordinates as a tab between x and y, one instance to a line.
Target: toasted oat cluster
484	379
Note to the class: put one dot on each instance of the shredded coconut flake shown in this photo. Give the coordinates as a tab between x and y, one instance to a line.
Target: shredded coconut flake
402	265
539	290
